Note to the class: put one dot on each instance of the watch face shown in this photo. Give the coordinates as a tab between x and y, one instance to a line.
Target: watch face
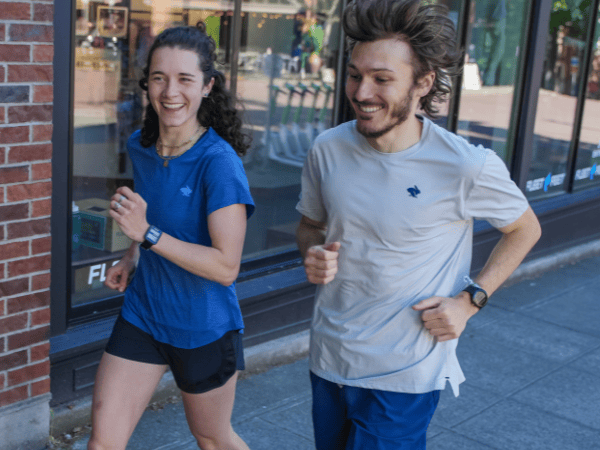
479	298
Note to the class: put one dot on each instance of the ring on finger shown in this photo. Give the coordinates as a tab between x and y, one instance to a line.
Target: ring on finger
117	205
121	198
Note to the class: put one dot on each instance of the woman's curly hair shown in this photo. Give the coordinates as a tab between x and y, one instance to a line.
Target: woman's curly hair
426	28
218	110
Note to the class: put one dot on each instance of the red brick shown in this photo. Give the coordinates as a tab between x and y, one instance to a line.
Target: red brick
14	212
13	360
1	187
29	72
43	94
43	53
13	396
39	352
14	53
42	245
2	266
2	303
27	302
29	265
25	229
12	135
2	110
29	113
14	250
40	387
14	174
14	287
15	11
35	152
13	323
39	282
2	32
31	33
25	374
2	380
2	344
2	74
18	192
40	317
43	12
27	338
41	208
41	171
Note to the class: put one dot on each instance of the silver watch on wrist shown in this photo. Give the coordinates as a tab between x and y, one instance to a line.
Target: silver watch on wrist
478	295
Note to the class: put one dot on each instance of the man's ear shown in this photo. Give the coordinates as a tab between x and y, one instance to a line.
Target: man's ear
425	84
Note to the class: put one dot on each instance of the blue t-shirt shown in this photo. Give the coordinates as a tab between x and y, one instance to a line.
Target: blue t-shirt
173	305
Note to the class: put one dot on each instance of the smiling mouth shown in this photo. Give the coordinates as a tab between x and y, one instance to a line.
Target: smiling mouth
172	105
368	109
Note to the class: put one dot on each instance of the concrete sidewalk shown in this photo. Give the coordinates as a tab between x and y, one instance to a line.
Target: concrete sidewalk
532	362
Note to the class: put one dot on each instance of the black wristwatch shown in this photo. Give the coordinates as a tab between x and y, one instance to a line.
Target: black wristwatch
478	296
151	237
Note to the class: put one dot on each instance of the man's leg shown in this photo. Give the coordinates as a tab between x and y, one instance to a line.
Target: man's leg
383	420
329	415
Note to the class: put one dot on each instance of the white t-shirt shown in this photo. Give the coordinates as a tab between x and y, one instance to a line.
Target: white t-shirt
405	224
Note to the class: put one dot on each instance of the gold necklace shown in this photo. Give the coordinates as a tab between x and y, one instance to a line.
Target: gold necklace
159	146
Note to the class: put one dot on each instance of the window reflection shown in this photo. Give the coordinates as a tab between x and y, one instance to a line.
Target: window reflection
588	154
557	102
286	83
492	56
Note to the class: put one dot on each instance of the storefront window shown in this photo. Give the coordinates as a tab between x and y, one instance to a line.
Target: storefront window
588	154
287	74
492	57
555	114
112	40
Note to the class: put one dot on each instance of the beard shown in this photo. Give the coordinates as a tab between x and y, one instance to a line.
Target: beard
400	113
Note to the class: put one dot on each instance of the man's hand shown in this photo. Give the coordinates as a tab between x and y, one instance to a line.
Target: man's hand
321	262
444	317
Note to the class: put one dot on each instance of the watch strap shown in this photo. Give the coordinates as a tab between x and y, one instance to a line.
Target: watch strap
478	295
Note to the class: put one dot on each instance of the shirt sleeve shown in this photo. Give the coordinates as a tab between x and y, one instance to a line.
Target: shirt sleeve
311	201
226	183
494	196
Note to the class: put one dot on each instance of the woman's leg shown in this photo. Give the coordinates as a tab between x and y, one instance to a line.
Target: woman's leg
122	391
209	417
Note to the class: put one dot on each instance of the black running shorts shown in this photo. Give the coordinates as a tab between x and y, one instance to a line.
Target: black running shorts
195	370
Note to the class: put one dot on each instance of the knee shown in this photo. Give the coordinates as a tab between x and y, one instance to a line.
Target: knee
213	442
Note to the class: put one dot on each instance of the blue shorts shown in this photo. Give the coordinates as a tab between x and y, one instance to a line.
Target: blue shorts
352	418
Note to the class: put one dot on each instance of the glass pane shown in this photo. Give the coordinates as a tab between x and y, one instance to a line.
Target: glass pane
588	155
454	7
495	34
557	101
111	46
287	74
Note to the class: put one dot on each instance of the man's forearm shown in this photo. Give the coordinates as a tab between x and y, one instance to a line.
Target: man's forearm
308	235
509	252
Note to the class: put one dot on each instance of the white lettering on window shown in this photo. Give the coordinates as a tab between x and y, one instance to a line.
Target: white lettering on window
94	272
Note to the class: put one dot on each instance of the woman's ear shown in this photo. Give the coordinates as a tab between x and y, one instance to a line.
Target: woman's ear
208	87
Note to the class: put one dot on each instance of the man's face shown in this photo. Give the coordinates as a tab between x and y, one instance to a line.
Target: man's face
380	86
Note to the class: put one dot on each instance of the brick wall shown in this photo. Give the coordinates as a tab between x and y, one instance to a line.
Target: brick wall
26	51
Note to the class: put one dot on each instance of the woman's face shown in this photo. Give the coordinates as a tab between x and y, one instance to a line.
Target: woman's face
176	87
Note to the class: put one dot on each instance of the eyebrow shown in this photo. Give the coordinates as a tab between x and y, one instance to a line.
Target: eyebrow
185	74
374	69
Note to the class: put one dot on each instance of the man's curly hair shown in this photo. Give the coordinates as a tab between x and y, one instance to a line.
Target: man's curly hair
424	27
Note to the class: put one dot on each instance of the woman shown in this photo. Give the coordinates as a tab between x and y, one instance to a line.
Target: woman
188	215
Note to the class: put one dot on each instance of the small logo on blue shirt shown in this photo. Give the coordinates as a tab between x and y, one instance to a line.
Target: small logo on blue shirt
593	171
414	191
186	191
547	182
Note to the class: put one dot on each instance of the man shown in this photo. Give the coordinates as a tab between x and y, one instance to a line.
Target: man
388	203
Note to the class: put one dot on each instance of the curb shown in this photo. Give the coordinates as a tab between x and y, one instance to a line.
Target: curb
288	349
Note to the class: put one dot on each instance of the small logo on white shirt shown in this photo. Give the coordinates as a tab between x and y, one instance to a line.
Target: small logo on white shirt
414	191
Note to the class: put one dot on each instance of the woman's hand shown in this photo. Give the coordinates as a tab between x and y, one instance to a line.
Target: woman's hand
129	210
117	275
